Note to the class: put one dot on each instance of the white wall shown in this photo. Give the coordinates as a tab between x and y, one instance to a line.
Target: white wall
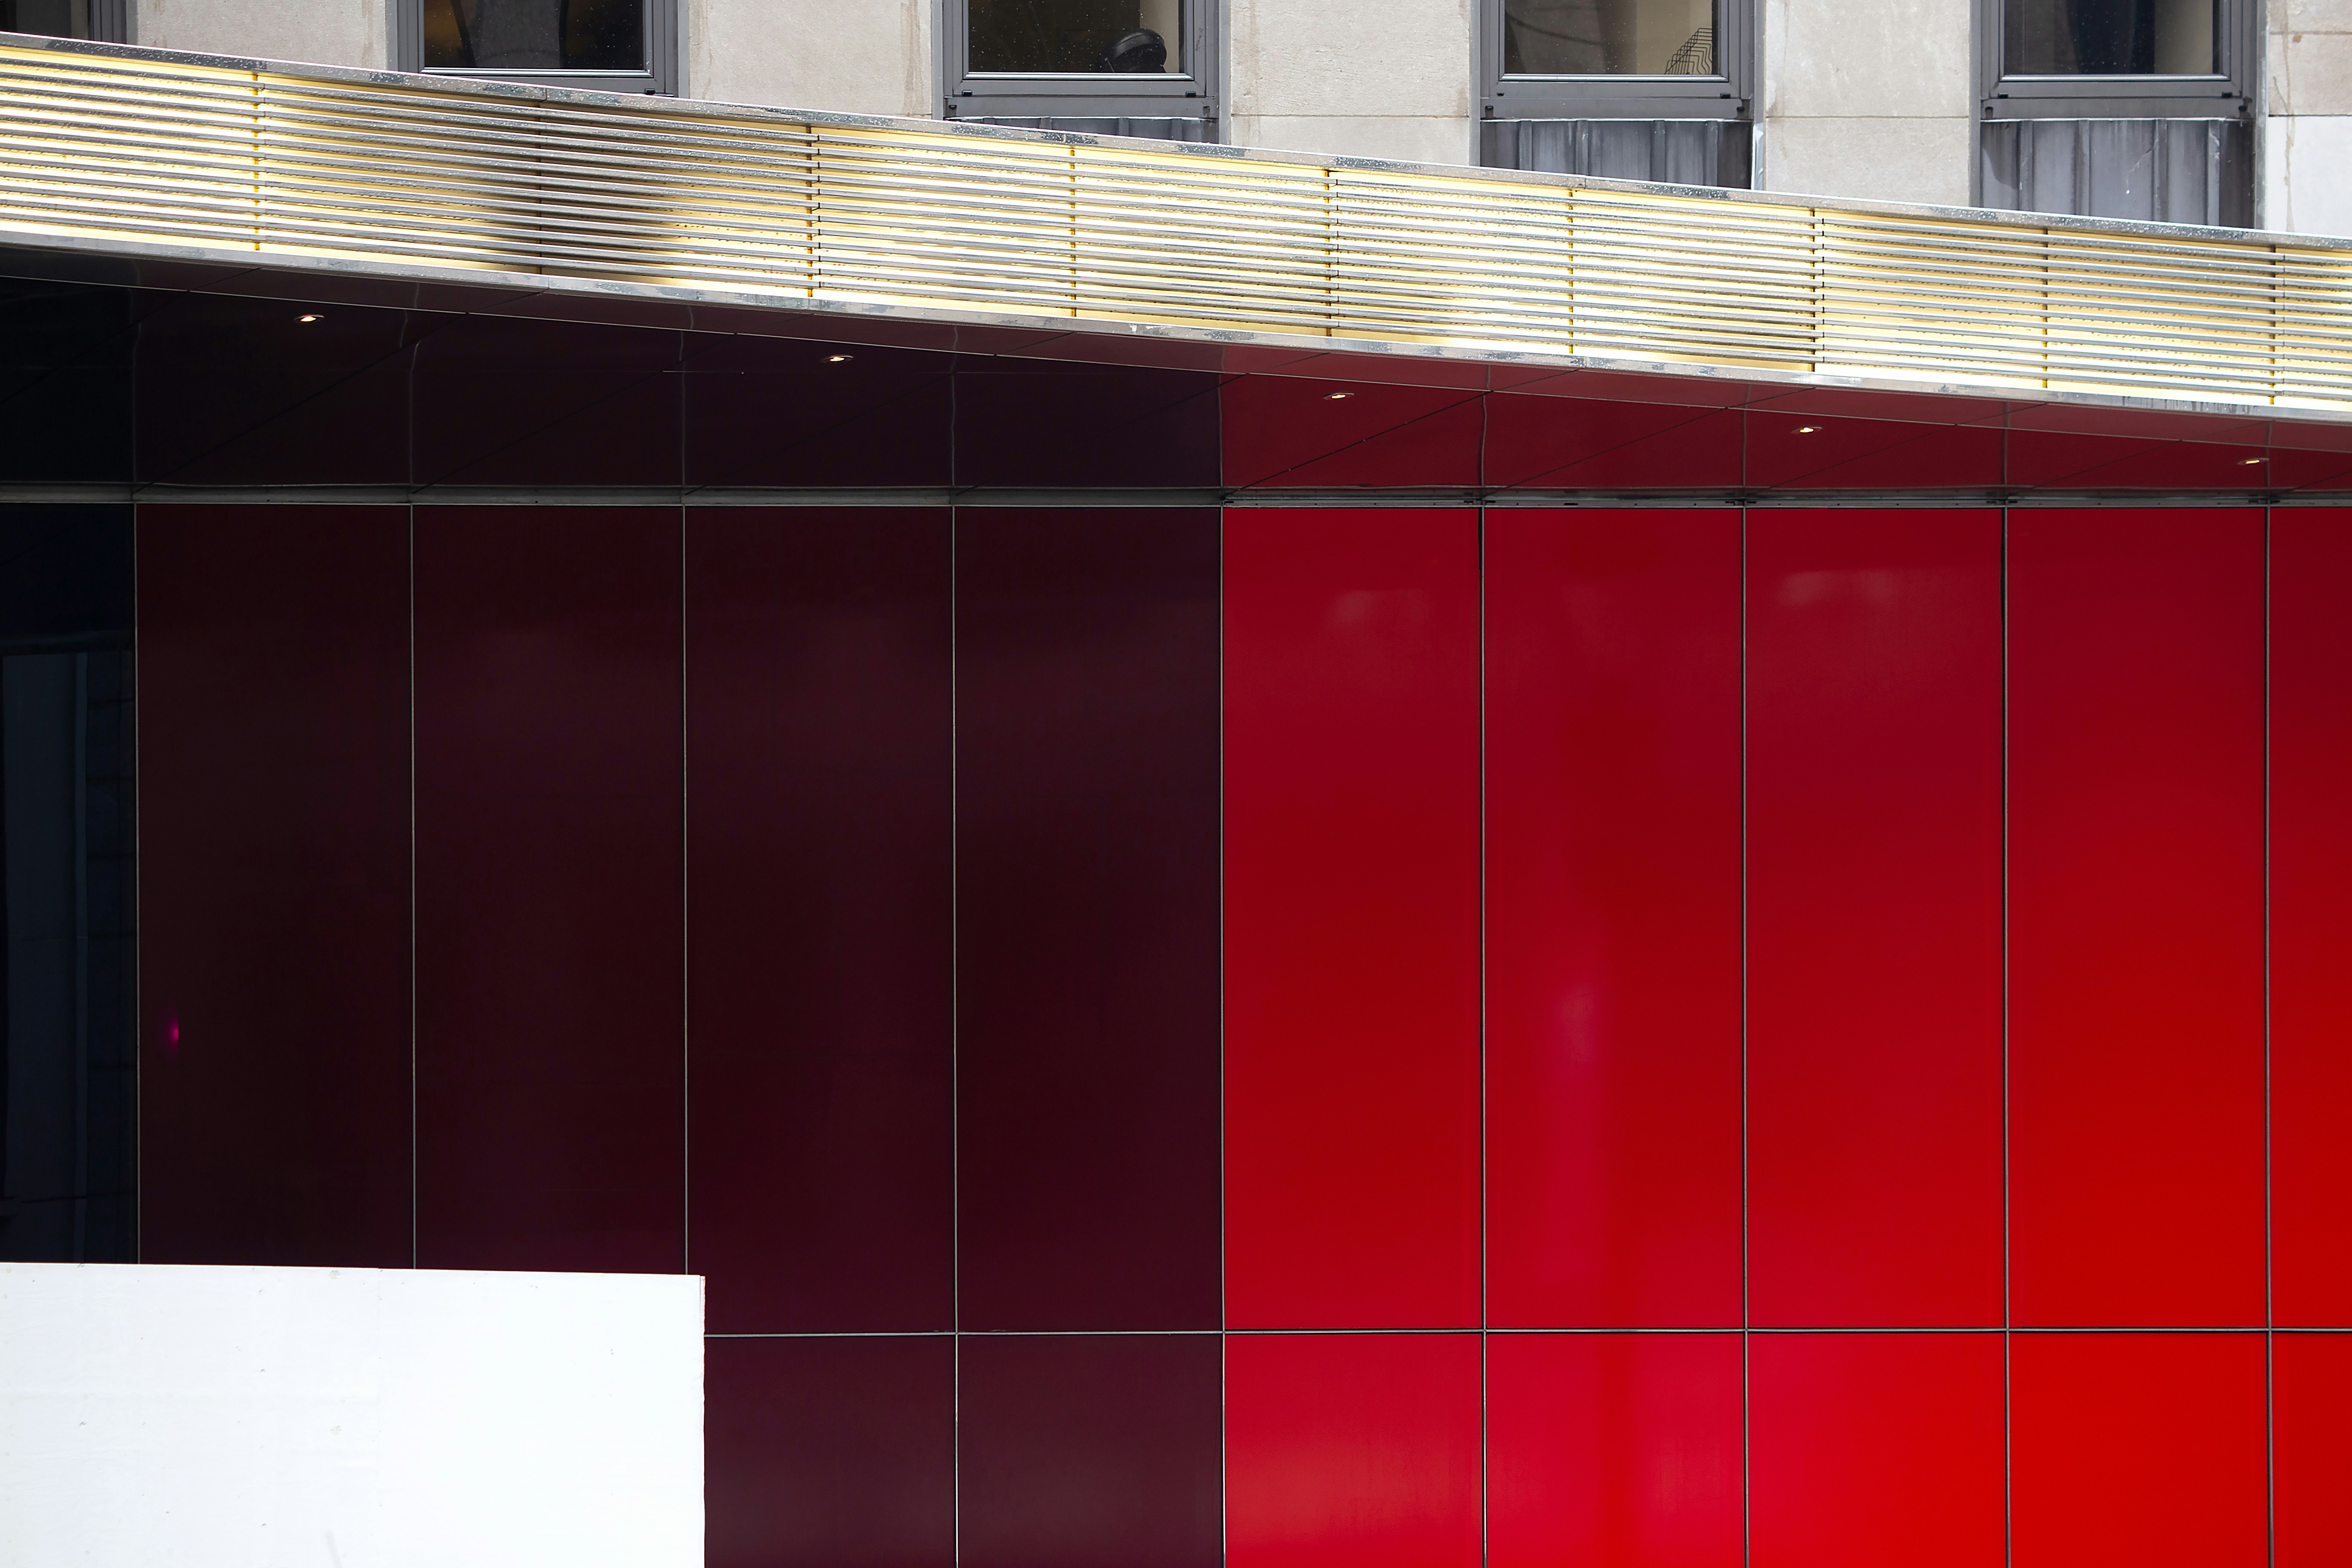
2307	141
852	56
1374	79
324	32
348	1418
1867	98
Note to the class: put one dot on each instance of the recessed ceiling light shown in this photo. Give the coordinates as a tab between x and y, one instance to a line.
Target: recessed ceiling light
837	359
306	321
1808	429
1336	396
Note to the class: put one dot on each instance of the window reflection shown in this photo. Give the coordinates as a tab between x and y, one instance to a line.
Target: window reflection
2110	38
53	18
1114	37
535	35
1609	38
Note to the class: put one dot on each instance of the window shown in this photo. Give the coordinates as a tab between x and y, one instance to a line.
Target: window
1146	66
611	46
105	19
1616	60
2115	58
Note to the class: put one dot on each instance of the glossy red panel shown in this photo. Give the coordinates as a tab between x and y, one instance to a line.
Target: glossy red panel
550	995
1800	451
2183	466
2061	457
1869	1449
1613	1450
1036	422
1286	430
2312	1379
1086	804
2136	908
1612	909
834	1452
1352	1451
273	740
1086	1451
500	401
2146	1449
1875	919
1352	918
1557	443
819	921
777	410
2311	914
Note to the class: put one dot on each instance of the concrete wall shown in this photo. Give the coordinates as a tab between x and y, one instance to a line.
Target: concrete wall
2307	140
324	32
1867	98
853	57
1389	78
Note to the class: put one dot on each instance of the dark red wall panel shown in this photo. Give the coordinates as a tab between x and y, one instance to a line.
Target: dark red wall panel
1869	1449
2311	914
1352	918
2136	842
273	740
819	918
829	1452
1614	1450
1086	917
1612	901
2146	1449
1352	1451
550	994
1874	934
2313	1379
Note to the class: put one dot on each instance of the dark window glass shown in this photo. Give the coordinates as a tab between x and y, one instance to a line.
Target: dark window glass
535	35
2110	38
54	18
1609	38
1116	36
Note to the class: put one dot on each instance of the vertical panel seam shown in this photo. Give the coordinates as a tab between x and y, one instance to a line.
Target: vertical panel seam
2270	1260
415	1227
1746	1323
2008	1322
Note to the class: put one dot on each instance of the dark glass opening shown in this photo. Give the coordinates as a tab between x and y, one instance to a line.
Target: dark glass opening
1609	38
53	18
535	35
1119	37
2111	37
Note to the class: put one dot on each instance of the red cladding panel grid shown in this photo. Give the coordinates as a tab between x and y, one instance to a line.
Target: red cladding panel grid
1612	901
1352	1451
550	1046
1614	1450
2313	1382
1874	921
1351	911
2136	836
2311	914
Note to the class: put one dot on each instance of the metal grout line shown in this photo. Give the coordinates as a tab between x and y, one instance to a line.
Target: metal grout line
2008	1316
1486	1312
685	917
1747	1320
955	1008
415	1227
1224	1317
2270	1247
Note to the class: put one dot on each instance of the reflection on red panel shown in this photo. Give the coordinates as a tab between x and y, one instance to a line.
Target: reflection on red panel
1282	430
1874	800
2137	917
2313	1379
1352	918
1548	443
1613	1450
820	926
1810	450
273	734
549	1043
2311	914
2146	1449
2061	457
1613	874
1352	1451
1871	1449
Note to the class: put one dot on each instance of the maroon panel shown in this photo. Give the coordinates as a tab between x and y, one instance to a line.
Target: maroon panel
1086	917
820	921
1612	899
550	1055
777	410
1546	442
2311	914
1874	919
2180	466
2039	457
2147	1449
2313	1485
1803	451
1286	430
2135	854
1083	1451
1614	1450
829	1452
1869	1449
1037	422
1351	920
273	740
506	402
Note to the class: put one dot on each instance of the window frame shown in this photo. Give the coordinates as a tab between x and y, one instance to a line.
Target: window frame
1019	95
663	52
2224	95
1728	95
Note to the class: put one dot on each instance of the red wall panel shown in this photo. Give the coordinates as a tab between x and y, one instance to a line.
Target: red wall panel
273	739
549	862
2137	696
1612	899
819	923
1352	918
2311	914
2313	1379
1352	1451
1614	1450
1874	966
2139	1449
1870	1450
